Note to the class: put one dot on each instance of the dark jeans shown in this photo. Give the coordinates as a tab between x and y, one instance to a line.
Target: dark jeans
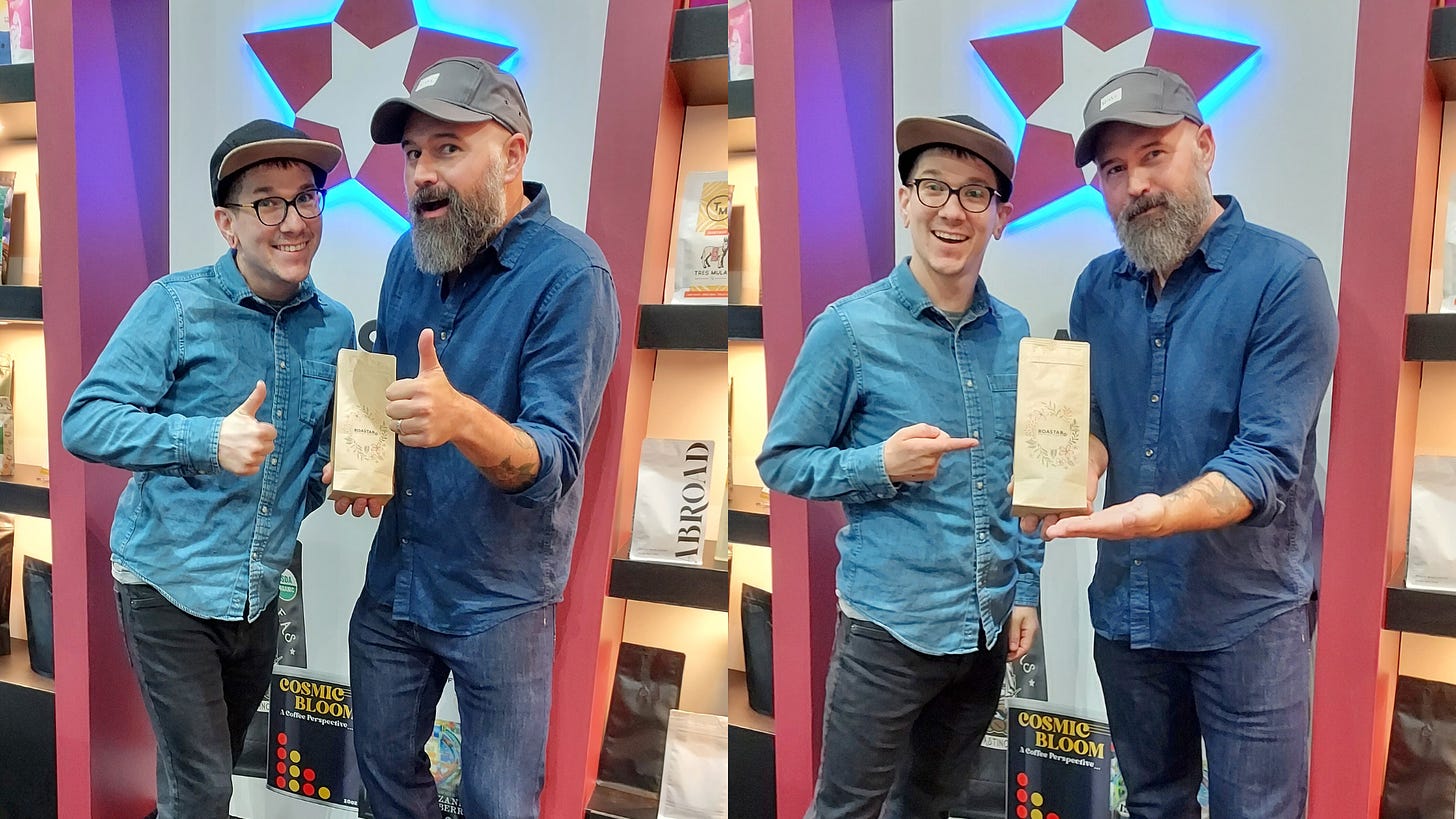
901	727
503	684
1248	703
201	681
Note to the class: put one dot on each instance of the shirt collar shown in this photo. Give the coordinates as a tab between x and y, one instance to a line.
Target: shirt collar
506	248
231	280
912	296
1214	247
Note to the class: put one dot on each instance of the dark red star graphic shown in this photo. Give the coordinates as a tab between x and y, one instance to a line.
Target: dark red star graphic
300	61
1030	67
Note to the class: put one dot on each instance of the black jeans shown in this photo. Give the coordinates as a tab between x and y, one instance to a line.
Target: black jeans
901	727
201	681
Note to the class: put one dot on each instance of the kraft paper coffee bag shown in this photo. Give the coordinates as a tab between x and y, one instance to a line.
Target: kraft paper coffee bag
1053	405
7	414
672	501
363	442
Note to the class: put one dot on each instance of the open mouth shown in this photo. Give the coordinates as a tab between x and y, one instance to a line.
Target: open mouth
432	207
294	248
950	238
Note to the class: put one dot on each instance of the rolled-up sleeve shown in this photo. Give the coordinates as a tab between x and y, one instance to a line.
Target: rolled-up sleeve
1288	369
804	453
112	417
567	358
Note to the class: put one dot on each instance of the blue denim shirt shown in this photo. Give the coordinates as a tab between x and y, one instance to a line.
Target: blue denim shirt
936	563
1224	373
186	355
529	330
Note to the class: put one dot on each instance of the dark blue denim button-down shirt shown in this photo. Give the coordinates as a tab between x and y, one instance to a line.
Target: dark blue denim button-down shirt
1223	373
936	563
187	354
530	330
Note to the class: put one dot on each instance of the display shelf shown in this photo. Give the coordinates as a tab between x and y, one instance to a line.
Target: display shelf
697	326
740	99
20	303
674	584
611	802
699	54
1419	611
1441	52
747	516
17	83
15	669
28	740
752	786
1430	336
745	322
26	492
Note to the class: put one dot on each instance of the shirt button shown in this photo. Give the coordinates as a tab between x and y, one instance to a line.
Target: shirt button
444	335
283	365
975	433
274	460
980	484
1155	398
981	536
1157	342
1137	563
970	383
264	510
278	413
410	492
1148	453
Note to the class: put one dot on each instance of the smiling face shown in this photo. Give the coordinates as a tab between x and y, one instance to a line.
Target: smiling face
464	180
274	260
949	242
1155	183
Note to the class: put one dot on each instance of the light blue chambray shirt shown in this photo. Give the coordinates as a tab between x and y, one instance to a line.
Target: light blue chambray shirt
935	563
188	353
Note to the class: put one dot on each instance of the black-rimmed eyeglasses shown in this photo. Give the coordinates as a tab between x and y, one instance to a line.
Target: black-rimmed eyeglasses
272	210
934	193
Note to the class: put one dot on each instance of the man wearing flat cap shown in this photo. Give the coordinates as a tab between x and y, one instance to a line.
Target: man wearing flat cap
214	392
1213	342
504	323
901	407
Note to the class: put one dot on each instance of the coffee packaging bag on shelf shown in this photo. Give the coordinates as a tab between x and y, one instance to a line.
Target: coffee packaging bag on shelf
1431	549
363	442
669	519
7	415
702	240
695	768
7	562
1053	409
22	34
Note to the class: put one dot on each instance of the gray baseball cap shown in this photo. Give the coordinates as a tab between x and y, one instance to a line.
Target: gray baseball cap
1149	96
456	89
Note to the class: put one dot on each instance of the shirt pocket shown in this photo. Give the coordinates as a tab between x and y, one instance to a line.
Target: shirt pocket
318	389
1003	403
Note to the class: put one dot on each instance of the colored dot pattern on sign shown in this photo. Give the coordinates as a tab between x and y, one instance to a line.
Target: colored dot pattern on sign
293	776
1028	805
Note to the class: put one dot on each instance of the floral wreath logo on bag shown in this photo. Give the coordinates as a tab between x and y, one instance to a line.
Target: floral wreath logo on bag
1055	435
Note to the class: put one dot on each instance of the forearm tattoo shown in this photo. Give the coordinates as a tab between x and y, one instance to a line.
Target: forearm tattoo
518	469
1217	493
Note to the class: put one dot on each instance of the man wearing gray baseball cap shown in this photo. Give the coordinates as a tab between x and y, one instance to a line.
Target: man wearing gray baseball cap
1213	342
504	323
901	408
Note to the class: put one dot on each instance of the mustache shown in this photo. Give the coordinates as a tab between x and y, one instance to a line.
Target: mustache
1143	204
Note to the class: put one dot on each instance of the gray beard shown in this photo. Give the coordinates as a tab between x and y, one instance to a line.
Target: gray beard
447	244
1159	244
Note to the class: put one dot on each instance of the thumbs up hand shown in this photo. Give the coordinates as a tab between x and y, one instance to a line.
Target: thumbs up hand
244	441
425	409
